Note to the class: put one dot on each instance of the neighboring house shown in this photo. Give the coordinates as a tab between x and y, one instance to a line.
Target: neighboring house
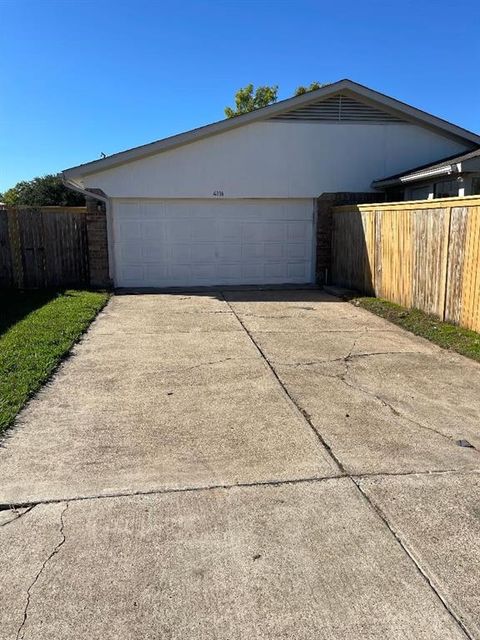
456	176
234	202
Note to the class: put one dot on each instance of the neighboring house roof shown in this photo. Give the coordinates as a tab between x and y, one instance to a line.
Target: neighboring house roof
296	108
452	164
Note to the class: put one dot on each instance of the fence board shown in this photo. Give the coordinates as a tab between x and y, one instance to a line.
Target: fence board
426	254
470	298
456	264
6	270
44	247
353	249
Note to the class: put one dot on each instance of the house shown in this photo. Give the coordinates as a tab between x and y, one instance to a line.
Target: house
234	202
456	176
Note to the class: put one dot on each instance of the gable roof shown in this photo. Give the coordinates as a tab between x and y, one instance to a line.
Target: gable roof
445	166
283	109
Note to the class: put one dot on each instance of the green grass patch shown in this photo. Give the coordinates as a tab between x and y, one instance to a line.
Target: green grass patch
37	329
446	335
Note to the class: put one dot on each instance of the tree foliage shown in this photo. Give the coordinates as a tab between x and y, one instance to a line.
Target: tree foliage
248	99
311	87
42	191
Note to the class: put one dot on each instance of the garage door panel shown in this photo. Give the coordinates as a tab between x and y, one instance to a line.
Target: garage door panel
274	250
152	230
274	232
131	274
252	272
297	231
181	243
253	251
295	250
296	270
203	252
155	271
177	230
229	251
251	231
228	272
276	270
132	229
131	253
202	230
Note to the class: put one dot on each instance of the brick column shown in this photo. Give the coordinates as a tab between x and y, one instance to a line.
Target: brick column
97	243
325	203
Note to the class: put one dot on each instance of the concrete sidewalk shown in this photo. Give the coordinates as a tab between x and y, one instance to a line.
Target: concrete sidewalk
267	464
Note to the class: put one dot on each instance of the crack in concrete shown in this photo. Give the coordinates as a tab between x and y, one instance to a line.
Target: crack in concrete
356	483
201	364
351	356
348	360
21	629
19	515
396	412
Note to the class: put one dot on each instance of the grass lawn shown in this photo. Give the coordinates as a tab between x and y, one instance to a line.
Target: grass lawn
446	335
37	328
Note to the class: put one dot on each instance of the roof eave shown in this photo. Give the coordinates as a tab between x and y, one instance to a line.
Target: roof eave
415	177
172	142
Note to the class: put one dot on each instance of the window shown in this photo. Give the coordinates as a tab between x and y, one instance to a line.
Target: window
447	189
475	186
420	193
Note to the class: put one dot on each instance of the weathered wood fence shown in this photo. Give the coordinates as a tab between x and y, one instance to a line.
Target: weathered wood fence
43	247
423	254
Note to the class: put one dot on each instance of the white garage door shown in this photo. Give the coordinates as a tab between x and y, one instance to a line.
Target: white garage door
165	243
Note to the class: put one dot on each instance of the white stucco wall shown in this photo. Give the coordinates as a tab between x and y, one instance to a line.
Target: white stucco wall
278	160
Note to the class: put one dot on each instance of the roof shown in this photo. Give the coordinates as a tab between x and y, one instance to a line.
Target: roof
447	165
347	87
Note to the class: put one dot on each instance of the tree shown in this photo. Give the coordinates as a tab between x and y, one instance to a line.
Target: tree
312	87
42	191
247	99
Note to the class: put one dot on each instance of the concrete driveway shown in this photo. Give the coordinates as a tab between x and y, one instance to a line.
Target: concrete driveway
243	465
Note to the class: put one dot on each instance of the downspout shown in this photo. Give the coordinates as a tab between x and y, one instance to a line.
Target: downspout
108	212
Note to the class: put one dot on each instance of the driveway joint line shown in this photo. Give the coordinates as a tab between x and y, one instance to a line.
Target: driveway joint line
413	559
356	483
131	494
29	505
286	393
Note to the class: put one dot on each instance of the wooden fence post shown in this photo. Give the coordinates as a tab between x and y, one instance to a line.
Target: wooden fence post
15	248
446	283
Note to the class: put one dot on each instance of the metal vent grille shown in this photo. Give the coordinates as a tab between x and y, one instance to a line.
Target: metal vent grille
338	109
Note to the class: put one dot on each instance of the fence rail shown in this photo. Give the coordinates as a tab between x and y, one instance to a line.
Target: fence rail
43	247
423	254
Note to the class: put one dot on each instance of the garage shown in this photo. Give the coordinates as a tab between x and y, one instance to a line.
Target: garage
232	202
195	242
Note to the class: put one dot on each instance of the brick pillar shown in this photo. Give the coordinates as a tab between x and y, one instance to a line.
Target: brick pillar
325	203
97	243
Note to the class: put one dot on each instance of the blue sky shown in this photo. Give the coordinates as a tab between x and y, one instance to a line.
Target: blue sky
81	77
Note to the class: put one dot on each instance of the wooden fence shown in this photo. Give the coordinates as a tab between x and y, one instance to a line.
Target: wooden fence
423	254
43	247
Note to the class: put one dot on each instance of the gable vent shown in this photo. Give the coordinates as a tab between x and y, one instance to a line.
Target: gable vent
338	109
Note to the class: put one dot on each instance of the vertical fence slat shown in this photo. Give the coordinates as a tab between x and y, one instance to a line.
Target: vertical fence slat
43	247
424	255
6	267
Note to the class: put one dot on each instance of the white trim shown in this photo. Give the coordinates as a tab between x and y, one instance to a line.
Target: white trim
428	174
